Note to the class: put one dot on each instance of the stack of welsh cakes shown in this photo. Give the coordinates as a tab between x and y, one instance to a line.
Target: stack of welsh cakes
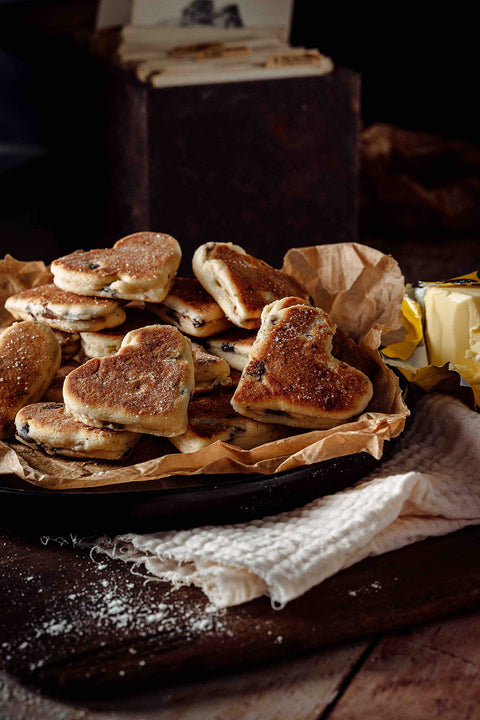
119	346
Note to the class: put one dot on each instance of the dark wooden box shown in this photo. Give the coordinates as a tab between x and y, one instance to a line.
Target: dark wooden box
268	165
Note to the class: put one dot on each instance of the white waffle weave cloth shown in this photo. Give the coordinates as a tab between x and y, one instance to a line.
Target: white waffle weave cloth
431	486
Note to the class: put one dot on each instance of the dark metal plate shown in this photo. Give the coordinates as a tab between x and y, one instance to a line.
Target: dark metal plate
218	499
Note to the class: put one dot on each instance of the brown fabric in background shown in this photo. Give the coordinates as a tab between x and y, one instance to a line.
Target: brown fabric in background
414	182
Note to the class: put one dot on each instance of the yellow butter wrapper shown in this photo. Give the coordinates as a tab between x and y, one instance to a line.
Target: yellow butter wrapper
413	327
470	280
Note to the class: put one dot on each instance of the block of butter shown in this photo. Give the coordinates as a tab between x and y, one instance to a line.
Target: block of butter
452	330
447	315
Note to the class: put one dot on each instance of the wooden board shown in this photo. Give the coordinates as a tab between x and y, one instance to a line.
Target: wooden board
421	673
86	625
300	688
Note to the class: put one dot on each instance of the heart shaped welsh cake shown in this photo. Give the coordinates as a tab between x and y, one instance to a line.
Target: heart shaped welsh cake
141	266
145	387
292	377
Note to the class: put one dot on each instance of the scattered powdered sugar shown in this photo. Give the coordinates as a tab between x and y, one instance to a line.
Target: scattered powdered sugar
57	628
104	607
374	586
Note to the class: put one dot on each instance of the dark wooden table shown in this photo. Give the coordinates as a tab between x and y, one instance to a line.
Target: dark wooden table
82	637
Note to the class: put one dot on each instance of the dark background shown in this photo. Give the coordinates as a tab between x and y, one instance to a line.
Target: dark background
419	67
418	72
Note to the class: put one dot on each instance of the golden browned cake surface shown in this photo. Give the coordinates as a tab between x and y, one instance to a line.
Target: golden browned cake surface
51	415
256	282
48	427
232	346
343	347
293	378
145	387
212	413
108	341
189	293
192	309
136	255
211	418
240	283
64	310
29	359
138	267
210	370
51	295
